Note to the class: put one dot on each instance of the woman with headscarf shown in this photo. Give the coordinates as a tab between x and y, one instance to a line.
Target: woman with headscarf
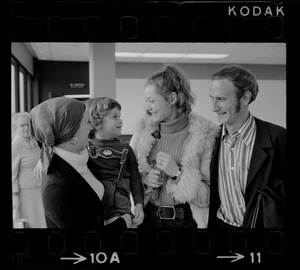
72	196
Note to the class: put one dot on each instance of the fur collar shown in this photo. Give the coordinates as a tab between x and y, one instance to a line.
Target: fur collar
195	162
201	132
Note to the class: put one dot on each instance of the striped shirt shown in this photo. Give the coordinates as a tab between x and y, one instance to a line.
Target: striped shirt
234	161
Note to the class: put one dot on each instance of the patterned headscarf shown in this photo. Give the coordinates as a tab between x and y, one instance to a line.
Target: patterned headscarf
53	122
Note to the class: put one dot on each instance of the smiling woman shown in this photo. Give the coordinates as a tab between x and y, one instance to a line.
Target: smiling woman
175	164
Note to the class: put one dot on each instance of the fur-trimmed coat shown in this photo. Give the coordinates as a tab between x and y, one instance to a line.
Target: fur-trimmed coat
193	185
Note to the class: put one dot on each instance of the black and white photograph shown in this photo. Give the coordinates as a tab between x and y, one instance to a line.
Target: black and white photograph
144	88
152	140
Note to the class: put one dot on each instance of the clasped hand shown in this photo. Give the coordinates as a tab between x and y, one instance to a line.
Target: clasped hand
165	163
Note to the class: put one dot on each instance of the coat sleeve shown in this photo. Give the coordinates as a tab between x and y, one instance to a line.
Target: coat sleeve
133	142
207	151
194	182
205	165
136	186
202	197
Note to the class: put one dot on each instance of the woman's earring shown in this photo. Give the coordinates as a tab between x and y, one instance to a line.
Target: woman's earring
74	141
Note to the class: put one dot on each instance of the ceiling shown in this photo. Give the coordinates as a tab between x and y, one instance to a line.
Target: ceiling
239	53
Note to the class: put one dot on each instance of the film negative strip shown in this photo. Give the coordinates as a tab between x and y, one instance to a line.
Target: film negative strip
152	21
149	249
163	21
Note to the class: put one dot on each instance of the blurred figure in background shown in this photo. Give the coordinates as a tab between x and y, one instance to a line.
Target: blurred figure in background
28	209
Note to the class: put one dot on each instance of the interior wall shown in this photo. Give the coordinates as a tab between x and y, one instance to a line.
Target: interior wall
197	71
270	104
54	78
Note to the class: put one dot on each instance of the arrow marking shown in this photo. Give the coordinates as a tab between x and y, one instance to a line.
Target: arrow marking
77	259
236	258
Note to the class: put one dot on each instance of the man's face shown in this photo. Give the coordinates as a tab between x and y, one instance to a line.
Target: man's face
224	101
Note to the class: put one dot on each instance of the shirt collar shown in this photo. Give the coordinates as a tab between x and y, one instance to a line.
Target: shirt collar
245	131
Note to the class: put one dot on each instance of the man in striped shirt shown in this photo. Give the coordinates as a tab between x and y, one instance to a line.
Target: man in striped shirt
248	168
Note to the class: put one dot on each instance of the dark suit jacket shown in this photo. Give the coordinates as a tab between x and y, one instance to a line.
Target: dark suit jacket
69	201
265	194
